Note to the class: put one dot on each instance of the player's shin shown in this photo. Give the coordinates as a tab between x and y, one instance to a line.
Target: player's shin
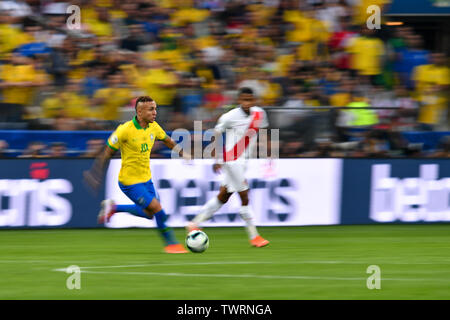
166	232
250	227
207	211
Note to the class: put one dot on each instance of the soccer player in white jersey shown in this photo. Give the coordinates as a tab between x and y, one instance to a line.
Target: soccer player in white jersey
241	125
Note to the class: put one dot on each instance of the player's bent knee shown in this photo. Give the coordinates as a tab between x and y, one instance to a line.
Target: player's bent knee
148	212
153	207
224	197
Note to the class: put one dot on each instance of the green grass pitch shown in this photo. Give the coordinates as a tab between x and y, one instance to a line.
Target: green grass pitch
314	262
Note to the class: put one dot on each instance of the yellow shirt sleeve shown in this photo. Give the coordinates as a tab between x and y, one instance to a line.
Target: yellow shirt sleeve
116	138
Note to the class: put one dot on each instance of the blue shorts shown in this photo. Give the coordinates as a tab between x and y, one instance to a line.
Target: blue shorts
141	193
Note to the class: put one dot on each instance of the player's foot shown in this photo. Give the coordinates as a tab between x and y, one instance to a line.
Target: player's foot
259	241
175	248
106	211
191	226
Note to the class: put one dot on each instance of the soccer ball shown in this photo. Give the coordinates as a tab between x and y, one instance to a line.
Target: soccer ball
197	241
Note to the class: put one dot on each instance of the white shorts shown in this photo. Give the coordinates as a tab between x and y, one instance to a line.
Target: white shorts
234	176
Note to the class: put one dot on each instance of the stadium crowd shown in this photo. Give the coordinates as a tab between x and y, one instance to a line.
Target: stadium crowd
192	56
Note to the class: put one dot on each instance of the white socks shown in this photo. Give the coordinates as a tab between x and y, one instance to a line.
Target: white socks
208	210
245	215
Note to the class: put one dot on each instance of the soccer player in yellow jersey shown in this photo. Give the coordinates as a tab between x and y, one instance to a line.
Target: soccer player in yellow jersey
135	140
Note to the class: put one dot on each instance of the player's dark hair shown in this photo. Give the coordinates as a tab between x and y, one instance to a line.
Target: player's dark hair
245	90
142	99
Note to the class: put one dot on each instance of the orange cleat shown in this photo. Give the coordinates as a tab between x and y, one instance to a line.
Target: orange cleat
175	248
259	241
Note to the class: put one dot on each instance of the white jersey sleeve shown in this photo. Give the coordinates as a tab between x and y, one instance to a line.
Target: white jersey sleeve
265	120
222	123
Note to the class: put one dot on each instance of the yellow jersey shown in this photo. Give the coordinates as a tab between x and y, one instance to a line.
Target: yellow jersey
18	73
135	144
432	109
112	100
428	75
366	55
151	82
68	103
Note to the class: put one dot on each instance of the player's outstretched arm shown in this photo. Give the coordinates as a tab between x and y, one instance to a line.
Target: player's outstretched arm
94	176
172	145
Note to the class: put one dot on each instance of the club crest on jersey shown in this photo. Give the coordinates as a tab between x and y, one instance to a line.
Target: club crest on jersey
114	139
151	137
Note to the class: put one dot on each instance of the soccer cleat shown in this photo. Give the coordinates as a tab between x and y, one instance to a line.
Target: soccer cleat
191	226
175	248
106	212
259	241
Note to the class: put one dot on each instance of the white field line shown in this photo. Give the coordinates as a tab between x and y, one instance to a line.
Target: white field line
211	275
173	264
255	276
257	262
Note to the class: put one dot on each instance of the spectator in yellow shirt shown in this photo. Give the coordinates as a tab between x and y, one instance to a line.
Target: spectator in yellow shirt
187	14
109	100
155	78
161	82
429	75
100	25
433	111
366	53
11	36
18	78
67	103
432	83
273	92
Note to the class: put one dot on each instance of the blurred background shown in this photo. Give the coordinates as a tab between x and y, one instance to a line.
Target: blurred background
360	98
334	87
